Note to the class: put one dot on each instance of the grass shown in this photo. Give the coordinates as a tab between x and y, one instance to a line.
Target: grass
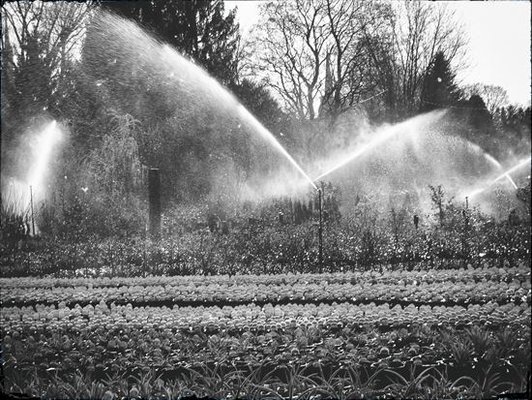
288	381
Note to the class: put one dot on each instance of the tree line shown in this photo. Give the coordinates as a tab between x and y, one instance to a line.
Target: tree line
313	72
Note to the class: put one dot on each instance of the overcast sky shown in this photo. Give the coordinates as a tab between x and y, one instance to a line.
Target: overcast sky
499	41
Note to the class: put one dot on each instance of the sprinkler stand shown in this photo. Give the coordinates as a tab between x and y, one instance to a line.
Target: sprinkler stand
467	213
320	229
32	216
465	244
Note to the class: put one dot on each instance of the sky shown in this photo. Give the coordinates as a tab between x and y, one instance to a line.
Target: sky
498	48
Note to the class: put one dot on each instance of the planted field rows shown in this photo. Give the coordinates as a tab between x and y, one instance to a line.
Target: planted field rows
473	323
378	335
251	317
445	287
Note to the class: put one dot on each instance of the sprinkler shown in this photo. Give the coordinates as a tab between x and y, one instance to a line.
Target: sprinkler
32	216
320	228
504	175
466	214
465	238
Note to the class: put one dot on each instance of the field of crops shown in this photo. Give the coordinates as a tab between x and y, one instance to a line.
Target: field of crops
433	333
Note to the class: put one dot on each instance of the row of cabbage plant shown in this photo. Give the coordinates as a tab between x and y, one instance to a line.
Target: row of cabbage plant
255	317
124	352
519	273
459	292
126	337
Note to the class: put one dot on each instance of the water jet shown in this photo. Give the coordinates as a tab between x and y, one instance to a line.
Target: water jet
20	193
187	88
383	136
408	157
499	166
506	173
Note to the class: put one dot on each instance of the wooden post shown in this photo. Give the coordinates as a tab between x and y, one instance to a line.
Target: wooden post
154	190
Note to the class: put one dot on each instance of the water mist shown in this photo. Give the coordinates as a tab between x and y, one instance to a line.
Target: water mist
30	185
122	46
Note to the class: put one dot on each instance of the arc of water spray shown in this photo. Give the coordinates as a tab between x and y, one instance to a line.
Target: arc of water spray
283	151
362	150
520	164
381	137
374	143
268	135
513	169
172	62
498	165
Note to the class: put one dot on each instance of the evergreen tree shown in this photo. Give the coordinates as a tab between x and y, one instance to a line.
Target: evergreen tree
259	101
439	88
39	42
474	123
479	115
184	130
513	126
196	28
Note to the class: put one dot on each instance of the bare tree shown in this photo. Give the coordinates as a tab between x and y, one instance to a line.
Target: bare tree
350	23
291	48
313	55
324	56
494	96
420	30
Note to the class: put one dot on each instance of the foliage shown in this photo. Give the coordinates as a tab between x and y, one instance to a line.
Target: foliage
199	29
115	168
309	53
258	100
420	32
133	316
473	121
286	349
439	87
495	97
324	57
437	198
513	127
90	70
524	194
102	194
40	40
430	287
268	239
